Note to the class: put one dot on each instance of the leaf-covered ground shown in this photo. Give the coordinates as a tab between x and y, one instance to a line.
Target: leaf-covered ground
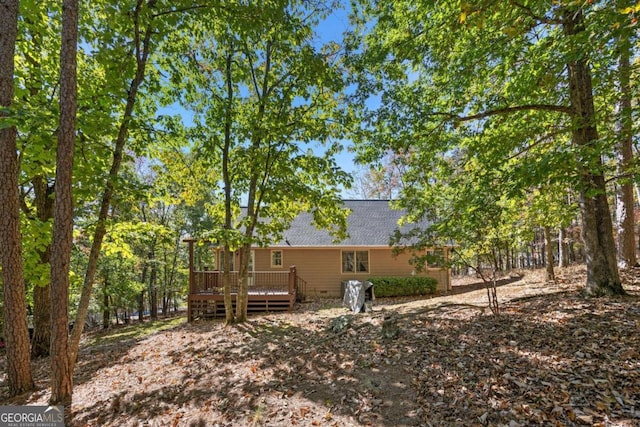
551	358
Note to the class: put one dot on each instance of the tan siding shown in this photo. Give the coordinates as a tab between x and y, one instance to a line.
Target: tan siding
322	270
263	260
319	268
385	263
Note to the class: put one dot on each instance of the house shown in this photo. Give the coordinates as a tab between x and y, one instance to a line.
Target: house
322	265
365	253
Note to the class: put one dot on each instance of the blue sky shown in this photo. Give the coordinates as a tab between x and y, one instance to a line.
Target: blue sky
331	29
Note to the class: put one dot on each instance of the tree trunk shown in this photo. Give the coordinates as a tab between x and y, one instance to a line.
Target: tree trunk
171	277
226	175
164	307
625	222
562	253
549	246
597	229
153	290
41	341
142	48
141	307
243	284
106	318
16	332
507	257
226	283
61	371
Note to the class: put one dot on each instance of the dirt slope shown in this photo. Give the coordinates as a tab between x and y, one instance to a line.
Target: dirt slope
551	358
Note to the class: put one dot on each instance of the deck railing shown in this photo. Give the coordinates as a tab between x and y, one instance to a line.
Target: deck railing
212	282
301	289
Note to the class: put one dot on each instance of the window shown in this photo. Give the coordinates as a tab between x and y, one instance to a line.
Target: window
276	259
355	261
252	261
435	258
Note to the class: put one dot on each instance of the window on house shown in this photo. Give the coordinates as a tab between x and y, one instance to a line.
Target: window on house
355	261
276	259
435	258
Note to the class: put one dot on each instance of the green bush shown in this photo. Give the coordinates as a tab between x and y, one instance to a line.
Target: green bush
403	286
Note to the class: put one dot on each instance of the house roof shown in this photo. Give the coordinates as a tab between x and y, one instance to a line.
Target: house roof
370	223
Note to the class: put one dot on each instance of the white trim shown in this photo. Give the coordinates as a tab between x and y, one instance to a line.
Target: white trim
271	252
355	260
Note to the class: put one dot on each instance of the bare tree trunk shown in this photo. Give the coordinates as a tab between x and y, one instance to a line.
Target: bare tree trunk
141	307
625	221
226	174
492	294
597	229
153	290
61	370
549	246
16	332
562	253
508	257
106	318
170	281
543	250
243	284
226	283
41	341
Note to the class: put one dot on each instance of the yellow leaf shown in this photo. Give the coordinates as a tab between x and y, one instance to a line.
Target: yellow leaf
631	9
510	31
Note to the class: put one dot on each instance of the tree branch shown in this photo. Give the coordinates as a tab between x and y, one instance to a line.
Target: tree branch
181	9
539	141
541	19
508	110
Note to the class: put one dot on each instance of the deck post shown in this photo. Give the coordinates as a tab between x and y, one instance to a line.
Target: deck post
292	279
292	286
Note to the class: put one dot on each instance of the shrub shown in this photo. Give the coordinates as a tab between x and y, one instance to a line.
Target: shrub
403	286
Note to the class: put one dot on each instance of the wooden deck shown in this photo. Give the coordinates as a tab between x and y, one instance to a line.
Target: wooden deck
268	291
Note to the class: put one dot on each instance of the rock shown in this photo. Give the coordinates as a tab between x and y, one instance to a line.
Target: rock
390	327
340	324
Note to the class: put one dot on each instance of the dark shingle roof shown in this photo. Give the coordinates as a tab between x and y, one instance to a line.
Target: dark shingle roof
370	223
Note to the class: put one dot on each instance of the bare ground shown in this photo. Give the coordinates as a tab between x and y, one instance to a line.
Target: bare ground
552	357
